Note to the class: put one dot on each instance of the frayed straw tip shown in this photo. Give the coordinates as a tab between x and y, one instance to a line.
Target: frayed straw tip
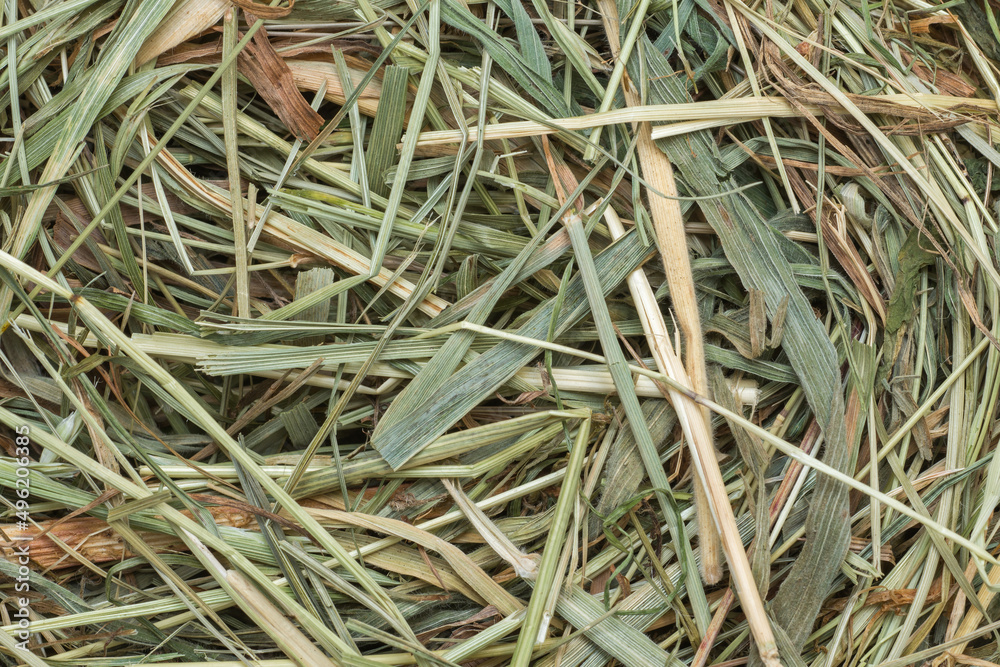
770	657
711	573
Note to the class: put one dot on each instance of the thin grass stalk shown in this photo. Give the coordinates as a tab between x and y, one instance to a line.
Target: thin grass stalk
10	13
619	372
699	439
622	52
200	416
755	85
718	112
233	165
107	72
668	224
136	173
790	450
672	242
358	167
938	205
525	565
534	623
266	616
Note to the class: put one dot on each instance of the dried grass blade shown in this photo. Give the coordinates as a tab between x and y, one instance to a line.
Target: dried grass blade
233	165
696	430
752	250
197	412
535	626
388	128
108	71
432	413
626	394
478	581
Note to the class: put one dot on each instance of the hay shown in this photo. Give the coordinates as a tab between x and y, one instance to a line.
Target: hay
499	333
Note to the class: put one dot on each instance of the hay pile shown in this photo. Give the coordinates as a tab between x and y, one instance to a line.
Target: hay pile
636	332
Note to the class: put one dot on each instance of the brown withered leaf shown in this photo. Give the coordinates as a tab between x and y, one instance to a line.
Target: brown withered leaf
273	80
256	11
96	541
